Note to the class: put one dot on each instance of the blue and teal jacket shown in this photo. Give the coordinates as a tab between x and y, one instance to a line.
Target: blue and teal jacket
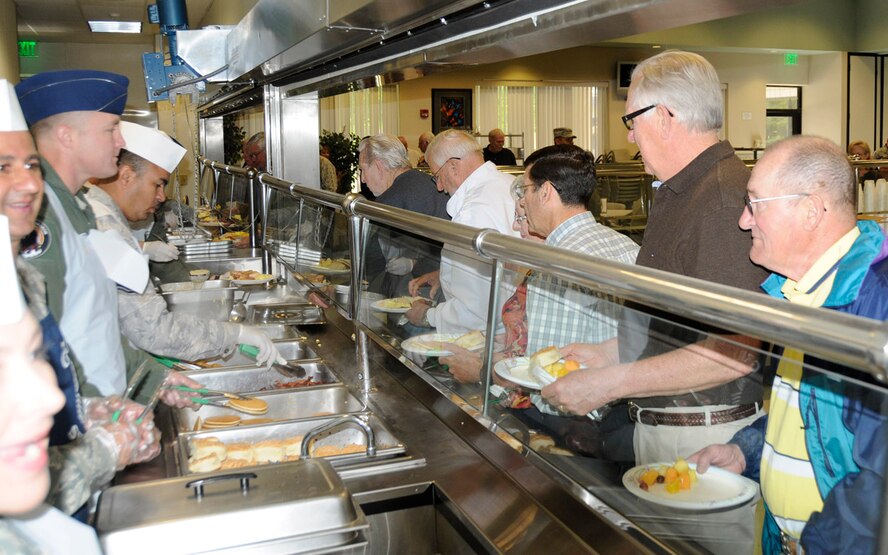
846	430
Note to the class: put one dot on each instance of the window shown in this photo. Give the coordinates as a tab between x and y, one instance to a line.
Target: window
364	112
535	110
784	113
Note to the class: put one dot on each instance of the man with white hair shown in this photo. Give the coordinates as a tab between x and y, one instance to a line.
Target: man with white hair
480	197
686	388
385	169
821	451
132	195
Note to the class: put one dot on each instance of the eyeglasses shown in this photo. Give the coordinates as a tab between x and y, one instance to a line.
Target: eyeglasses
749	202
435	175
518	191
627	119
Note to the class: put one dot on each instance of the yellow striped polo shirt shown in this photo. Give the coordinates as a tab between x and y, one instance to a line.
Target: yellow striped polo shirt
787	477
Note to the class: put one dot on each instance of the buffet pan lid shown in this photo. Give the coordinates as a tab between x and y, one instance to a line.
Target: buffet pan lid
304	499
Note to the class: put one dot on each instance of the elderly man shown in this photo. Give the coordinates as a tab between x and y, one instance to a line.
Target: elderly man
479	197
132	195
254	152
686	389
496	151
384	167
563	136
821	452
424	140
86	449
74	117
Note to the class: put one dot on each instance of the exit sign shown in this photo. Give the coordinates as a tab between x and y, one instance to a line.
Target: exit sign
790	59
28	48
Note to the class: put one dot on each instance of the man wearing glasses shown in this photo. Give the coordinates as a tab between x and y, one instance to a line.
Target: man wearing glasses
479	197
821	451
685	387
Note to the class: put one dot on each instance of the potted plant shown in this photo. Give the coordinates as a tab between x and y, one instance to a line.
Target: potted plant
343	153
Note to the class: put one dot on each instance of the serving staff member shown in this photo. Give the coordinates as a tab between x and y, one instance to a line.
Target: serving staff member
132	195
74	117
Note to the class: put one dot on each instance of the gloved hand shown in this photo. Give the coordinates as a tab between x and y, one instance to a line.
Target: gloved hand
158	251
176	398
171	219
132	443
399	266
268	353
100	410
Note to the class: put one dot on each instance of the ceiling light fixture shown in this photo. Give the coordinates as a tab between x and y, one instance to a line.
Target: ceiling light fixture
115	26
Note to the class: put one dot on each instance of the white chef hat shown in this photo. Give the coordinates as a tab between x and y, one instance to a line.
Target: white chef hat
11	117
155	146
12	305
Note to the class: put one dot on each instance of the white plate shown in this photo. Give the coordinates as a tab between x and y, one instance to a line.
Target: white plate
716	489
517	370
430	344
251	281
328	271
379	306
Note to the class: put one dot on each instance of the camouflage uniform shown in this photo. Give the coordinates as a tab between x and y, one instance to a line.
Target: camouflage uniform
145	319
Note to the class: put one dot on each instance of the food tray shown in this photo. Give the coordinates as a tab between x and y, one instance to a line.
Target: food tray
211	303
187	286
208	247
387	445
300	507
288	313
280	331
252	379
283	405
290	350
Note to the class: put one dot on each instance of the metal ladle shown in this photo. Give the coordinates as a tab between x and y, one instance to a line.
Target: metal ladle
239	309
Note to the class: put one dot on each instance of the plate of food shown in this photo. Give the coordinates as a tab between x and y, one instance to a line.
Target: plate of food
247	277
517	370
538	370
397	305
678	485
435	344
333	266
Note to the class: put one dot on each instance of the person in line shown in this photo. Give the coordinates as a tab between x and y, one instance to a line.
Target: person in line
130	196
254	152
859	150
820	452
413	155
563	136
685	389
496	151
479	197
425	139
74	116
385	169
86	448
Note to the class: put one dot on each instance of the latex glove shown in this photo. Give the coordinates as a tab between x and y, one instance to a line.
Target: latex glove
268	353
176	398
158	251
100	410
131	443
171	219
399	266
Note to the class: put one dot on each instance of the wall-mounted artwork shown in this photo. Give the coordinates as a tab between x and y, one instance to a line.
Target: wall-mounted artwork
451	109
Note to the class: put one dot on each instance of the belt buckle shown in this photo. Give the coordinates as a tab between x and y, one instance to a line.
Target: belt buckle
647	418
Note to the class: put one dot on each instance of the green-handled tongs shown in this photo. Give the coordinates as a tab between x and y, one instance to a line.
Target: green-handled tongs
177	364
288	370
205	391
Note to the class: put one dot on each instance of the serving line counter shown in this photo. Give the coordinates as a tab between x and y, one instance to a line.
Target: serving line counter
460	486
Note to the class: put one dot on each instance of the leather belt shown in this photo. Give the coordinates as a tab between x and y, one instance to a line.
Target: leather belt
654	417
790	545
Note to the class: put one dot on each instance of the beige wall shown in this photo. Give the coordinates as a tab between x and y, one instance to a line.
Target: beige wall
9	59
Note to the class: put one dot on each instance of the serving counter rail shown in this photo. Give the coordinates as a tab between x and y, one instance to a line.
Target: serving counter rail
489	463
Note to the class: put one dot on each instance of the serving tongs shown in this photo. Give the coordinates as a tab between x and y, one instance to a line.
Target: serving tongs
177	364
286	370
208	392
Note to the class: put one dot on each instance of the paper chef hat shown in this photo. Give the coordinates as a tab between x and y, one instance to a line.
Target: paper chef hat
12	305
155	146
11	117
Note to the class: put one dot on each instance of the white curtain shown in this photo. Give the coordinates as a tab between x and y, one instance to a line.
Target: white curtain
364	112
535	110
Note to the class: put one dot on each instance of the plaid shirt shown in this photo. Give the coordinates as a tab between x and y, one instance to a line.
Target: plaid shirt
559	312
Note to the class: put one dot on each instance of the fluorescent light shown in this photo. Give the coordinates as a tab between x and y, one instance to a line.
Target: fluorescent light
115	26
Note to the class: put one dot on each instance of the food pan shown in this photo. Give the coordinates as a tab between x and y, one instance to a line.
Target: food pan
251	379
300	507
300	313
387	445
213	303
280	331
187	286
282	405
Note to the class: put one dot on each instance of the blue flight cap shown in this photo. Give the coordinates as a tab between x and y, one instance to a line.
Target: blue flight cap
71	90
